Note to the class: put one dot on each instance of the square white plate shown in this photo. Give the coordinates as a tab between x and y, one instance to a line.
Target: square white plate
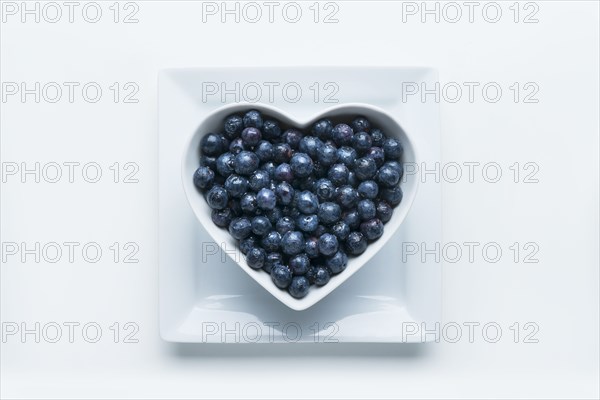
206	298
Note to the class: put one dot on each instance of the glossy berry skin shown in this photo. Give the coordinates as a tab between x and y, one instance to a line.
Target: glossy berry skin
352	179
341	230
208	161
271	241
246	162
307	223
372	229
377	137
204	178
347	156
236	185
248	203
285	193
271	129
361	142
328	244
310	145
259	179
251	137
311	247
352	219
347	196
366	209
392	195
392	149
217	197
255	258
338	174
271	260
233	126
307	202
329	213
299	264
324	189
281	276
266	199
292	137
274	215
269	168
299	287
282	152
368	190
285	225
253	119
236	146
395	165
356	243
292	243
311	273
377	154
240	228
283	173
327	154
264	151
322	129
302	165
321	276
225	164
211	145
337	263
388	176
261	225
248	244
342	135
361	124
365	168
384	211
222	218
320	231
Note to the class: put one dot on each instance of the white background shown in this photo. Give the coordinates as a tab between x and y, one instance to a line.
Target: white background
559	133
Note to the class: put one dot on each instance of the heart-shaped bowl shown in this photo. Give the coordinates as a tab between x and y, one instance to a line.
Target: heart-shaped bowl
339	113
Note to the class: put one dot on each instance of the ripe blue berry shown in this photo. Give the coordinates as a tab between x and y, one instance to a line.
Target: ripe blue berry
372	229
311	247
248	203
264	151
341	230
253	119
321	276
246	162
366	209
329	213
222	218
301	164
240	228
328	244
259	179
271	241
233	126
256	258
362	142
388	176
217	197
236	146
393	149
225	163
356	243
299	264
338	174
299	286
322	129
368	189
337	263
307	202
347	156
285	193
384	211
361	124
310	145
324	189
307	223
204	178
251	137
365	168
282	152
266	199
342	135
271	129
347	197
261	225
272	260
211	144
392	195
285	225
327	154
292	137
281	276
292	243
236	185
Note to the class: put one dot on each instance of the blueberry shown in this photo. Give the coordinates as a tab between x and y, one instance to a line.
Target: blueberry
261	225
236	185
282	152
281	276
253	119
307	183
365	168
337	263
256	258
327	154
352	179
329	213
272	260
356	243
264	151
342	134
361	142
285	225
236	146
311	274
285	193
225	164
292	243
251	136
361	124
246	162
351	218
368	189
208	161
307	202
388	176
328	244
301	164
372	229
292	137
311	247
310	145
395	165
248	244
324	189
240	228
269	167
299	287
377	137
271	129
392	149
307	223
259	179
338	174
217	197
377	154
222	218
347	196
235	206
392	195
384	211
366	209
271	241
266	199
274	214
211	145
204	178
299	264
341	230
322	129
322	276
347	156
233	126
320	231
248	203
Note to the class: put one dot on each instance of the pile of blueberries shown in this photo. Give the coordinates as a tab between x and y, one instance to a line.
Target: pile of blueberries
300	202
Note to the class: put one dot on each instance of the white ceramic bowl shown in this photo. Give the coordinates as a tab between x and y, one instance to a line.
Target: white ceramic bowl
345	112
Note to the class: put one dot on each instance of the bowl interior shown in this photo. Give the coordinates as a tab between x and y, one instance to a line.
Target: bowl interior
345	112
